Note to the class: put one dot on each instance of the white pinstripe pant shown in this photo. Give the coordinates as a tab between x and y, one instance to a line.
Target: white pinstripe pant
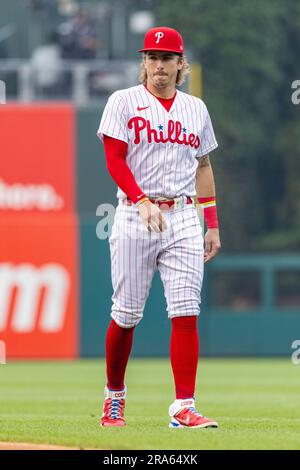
136	254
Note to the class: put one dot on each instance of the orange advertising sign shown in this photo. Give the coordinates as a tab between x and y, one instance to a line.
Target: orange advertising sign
38	231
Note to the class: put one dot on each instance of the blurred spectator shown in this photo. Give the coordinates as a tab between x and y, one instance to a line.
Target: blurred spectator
77	37
46	63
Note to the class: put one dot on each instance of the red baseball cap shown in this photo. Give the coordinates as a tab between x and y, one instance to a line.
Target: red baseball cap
163	39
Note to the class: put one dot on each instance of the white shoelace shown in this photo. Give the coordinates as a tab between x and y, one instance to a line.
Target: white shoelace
195	412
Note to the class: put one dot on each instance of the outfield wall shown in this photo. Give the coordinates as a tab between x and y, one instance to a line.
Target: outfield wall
55	286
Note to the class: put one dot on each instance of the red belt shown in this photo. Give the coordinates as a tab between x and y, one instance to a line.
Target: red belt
168	202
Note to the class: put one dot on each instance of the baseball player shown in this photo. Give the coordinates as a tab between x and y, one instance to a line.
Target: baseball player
157	141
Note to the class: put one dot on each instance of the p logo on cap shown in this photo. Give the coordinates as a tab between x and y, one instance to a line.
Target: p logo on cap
159	35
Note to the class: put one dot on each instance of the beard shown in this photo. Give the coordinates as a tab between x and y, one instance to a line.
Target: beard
161	80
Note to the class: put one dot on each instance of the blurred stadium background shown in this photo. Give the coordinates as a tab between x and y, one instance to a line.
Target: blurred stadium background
60	60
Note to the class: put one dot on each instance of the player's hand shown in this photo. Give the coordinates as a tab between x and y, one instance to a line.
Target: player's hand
152	217
212	244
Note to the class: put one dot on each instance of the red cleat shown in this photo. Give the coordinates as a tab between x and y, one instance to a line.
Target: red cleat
184	415
113	408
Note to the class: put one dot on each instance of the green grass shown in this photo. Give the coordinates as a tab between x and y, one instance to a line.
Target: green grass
257	404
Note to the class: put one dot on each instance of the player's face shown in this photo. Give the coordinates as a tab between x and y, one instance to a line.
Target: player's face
162	68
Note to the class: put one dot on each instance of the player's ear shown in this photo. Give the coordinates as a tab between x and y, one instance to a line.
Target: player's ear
180	62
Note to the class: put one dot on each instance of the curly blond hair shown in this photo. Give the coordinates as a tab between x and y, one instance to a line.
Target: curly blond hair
181	75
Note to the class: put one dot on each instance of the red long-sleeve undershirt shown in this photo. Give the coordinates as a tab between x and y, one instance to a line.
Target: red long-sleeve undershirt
115	153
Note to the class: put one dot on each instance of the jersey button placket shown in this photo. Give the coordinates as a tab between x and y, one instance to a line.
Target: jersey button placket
168	168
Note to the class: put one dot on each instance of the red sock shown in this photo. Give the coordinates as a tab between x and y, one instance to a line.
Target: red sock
118	348
184	353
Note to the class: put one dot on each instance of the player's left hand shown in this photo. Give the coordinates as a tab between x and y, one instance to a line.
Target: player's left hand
212	244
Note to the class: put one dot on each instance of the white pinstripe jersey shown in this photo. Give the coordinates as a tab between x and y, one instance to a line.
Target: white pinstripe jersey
163	147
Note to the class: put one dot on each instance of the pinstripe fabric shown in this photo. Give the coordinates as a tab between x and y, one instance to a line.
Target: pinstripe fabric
136	254
162	166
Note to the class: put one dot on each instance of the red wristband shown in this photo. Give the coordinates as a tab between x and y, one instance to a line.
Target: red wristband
209	207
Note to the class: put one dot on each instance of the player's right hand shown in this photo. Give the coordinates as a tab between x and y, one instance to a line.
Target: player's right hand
152	217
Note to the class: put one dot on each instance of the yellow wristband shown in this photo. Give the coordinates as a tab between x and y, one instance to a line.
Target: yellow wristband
141	201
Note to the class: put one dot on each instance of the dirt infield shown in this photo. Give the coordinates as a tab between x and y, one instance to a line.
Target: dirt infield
25	446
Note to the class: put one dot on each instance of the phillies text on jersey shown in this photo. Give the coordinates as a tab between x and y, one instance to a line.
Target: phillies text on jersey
163	146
